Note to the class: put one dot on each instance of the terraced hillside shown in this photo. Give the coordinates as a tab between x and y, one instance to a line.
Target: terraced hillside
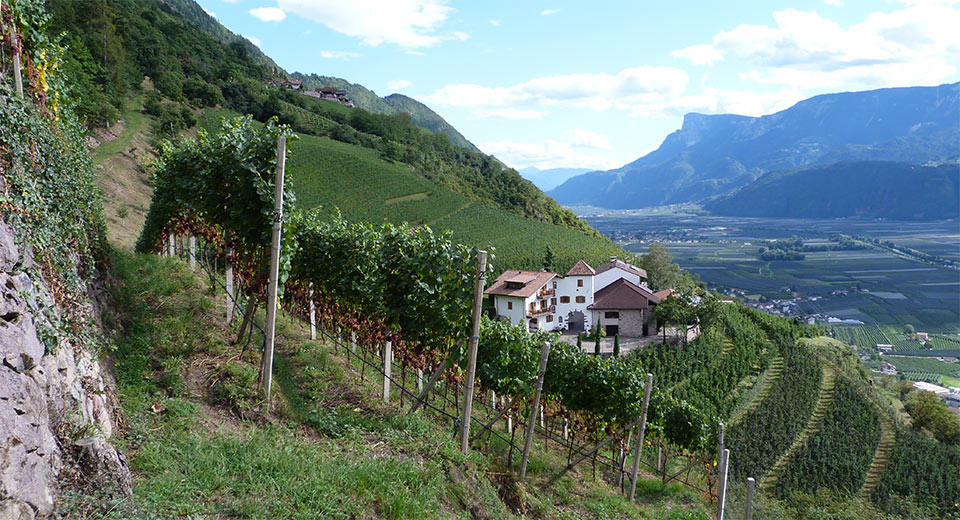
356	181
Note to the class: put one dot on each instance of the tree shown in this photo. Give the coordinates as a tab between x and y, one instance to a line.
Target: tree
909	330
616	345
549	259
662	273
580	341
931	413
598	335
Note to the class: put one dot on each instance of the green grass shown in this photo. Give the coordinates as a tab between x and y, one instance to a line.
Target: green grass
133	119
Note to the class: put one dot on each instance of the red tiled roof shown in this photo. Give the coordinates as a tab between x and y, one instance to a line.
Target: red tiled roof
625	295
532	282
623	265
581	269
663	294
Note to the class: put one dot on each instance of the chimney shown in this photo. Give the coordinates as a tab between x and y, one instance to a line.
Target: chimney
613	259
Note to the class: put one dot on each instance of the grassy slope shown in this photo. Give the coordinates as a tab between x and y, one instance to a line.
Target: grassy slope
335	175
200	445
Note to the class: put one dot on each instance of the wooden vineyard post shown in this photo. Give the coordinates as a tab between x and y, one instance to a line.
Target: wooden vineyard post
313	315
722	495
387	361
353	345
544	353
171	245
231	302
751	486
193	252
274	268
472	351
17	79
643	424
719	451
419	380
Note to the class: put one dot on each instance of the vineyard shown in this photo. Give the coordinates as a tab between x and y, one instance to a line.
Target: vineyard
925	376
863	336
839	455
767	432
922	474
331	176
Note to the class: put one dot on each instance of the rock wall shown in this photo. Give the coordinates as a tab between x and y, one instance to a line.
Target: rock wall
55	411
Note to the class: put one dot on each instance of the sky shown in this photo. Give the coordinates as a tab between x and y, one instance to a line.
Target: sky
598	84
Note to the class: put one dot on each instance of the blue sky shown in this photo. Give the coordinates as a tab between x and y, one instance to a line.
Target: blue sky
598	84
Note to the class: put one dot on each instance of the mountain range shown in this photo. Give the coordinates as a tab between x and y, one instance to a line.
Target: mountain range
713	155
550	178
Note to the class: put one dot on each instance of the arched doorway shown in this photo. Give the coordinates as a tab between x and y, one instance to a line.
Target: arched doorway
575	321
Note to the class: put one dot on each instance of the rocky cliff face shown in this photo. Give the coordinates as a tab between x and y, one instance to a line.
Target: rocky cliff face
55	407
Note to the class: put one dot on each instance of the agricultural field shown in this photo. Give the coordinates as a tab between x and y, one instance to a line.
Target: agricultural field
875	286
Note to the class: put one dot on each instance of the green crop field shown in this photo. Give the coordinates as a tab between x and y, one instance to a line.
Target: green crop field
332	175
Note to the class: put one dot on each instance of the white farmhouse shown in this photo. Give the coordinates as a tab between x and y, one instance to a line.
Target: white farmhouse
548	301
526	297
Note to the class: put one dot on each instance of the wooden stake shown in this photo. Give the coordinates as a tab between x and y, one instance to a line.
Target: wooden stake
751	486
193	252
722	495
640	433
231	301
719	449
274	268
472	351
419	380
171	245
544	353
313	315
17	79
387	361
434	378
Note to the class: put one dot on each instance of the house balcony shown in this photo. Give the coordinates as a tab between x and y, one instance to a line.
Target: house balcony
546	293
541	311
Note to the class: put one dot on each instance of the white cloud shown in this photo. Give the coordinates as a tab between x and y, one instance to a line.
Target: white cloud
703	54
598	91
805	50
587	139
509	114
339	55
253	39
551	154
398	84
494	22
268	14
211	13
548	12
407	23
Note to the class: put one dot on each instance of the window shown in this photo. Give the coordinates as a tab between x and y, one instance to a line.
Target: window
560	319
553	301
581	299
564	299
614	315
549	318
579	283
509	305
533	306
543	304
554	284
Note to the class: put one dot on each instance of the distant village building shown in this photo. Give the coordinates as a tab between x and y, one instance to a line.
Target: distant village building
614	294
888	370
884	348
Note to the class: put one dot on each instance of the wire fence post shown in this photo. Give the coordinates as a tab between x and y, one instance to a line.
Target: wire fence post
231	302
640	433
719	450
313	315
722	495
274	268
472	351
171	245
193	252
387	361
17	79
544	353
751	486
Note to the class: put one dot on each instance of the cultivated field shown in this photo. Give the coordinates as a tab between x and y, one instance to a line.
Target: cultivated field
882	287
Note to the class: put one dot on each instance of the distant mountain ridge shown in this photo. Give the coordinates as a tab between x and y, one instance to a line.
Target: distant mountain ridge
367	99
715	154
876	189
